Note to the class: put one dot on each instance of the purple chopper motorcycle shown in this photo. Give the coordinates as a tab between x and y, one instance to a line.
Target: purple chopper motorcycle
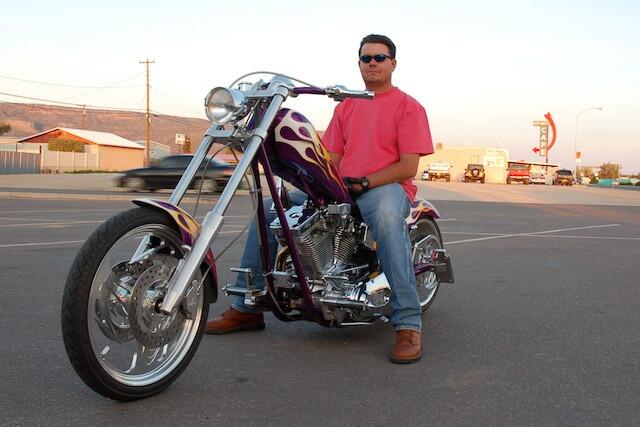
137	296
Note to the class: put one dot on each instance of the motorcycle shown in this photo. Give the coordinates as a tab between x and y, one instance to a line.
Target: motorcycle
137	296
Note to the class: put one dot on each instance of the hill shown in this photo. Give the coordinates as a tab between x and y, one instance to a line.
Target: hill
28	119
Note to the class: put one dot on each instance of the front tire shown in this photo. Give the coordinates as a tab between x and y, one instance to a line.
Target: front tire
426	237
118	342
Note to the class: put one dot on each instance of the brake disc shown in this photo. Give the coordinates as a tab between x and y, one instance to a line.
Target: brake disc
112	304
150	327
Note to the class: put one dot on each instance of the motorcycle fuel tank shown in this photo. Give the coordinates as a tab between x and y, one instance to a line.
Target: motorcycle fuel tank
297	155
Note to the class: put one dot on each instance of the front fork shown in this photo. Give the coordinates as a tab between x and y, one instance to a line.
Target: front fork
213	221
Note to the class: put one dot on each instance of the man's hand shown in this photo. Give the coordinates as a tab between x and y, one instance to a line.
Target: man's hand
356	186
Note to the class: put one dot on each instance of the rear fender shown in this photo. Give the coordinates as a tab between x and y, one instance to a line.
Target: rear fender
189	231
421	208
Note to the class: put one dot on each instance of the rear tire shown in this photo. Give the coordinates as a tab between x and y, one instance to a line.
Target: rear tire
427	232
207	185
134	184
116	340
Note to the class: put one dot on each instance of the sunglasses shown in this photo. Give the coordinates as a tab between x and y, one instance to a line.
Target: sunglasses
378	58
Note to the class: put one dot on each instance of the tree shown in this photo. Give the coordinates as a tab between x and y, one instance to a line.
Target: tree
586	171
62	144
609	170
4	128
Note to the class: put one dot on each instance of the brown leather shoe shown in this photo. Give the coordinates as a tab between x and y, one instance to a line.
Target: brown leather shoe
408	347
235	321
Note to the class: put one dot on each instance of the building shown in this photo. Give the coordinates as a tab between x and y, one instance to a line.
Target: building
495	161
102	151
157	149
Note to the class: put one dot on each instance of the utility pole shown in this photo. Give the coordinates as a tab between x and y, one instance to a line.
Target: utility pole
148	146
84	113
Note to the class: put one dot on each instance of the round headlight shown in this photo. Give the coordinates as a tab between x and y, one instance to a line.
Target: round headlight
222	104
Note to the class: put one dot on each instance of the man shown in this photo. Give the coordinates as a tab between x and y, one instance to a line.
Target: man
376	145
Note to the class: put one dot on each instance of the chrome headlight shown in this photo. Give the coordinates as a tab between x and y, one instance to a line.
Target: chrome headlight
223	105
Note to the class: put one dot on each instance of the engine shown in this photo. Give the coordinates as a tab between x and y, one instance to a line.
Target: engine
338	266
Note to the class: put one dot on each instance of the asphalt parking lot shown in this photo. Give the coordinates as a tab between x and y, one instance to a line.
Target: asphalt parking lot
540	328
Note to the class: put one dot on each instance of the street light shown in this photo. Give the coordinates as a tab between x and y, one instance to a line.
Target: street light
575	140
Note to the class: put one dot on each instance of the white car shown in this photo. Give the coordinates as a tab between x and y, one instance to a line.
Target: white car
425	176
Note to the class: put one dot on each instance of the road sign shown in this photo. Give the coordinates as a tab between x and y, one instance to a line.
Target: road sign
181	138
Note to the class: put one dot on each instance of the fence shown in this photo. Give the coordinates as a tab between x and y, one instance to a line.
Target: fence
62	161
14	162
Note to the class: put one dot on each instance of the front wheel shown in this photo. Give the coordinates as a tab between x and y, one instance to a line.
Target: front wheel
425	237
116	338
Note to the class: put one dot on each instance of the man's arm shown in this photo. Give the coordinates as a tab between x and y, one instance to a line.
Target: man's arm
400	171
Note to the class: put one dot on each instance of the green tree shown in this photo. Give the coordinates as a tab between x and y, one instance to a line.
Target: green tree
4	128
62	144
586	171
609	170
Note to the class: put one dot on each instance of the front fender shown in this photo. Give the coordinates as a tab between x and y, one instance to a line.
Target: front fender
189	230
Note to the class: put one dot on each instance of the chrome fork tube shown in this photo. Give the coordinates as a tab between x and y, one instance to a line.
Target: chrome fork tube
192	170
215	218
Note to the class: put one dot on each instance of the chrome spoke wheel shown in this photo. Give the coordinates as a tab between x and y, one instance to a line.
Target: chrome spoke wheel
425	238
117	339
132	340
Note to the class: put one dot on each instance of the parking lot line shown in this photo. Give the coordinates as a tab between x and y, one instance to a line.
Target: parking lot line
534	233
65	242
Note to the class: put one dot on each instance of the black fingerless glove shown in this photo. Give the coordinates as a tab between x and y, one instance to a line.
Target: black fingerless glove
356	186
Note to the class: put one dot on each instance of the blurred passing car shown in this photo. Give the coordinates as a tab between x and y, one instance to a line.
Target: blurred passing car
563	177
168	171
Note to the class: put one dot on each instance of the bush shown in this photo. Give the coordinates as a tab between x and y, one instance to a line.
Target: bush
62	144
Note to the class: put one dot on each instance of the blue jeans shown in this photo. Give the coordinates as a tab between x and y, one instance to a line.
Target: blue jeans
384	209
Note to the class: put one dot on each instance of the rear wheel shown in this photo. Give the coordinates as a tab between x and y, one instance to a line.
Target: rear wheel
208	186
116	338
135	184
425	237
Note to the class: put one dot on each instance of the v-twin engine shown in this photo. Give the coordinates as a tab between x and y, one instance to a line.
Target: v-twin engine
339	267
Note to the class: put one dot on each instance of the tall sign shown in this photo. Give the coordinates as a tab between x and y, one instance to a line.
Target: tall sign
544	145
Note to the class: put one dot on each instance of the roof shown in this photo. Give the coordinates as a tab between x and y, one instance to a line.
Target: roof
92	136
153	143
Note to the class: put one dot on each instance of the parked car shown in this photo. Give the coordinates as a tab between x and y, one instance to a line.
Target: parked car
439	170
425	175
518	172
563	177
474	172
538	177
168	171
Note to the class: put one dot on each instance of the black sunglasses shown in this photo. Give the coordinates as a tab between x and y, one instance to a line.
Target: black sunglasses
378	58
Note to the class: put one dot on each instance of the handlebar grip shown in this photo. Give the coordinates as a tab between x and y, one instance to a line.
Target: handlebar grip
340	93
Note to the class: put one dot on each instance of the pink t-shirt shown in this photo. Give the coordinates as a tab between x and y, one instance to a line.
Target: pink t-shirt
372	134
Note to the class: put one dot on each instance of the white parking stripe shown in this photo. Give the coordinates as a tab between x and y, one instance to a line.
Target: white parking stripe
503	236
75	242
42	224
66	242
60	210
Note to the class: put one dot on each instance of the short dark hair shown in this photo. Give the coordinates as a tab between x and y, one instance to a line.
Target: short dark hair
377	38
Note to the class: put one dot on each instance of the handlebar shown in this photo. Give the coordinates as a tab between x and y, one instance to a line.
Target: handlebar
337	92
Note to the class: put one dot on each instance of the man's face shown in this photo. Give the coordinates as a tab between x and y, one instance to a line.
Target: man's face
376	73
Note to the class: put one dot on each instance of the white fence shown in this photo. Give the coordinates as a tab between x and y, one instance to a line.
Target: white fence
13	162
62	161
47	161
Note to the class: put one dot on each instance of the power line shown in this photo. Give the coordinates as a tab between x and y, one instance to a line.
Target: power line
71	86
69	103
173	100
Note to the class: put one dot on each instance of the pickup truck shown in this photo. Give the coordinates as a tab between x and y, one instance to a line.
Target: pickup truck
518	172
439	170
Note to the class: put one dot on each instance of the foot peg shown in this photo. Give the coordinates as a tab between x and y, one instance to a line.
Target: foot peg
251	295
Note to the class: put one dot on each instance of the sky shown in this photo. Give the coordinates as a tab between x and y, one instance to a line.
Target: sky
483	70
